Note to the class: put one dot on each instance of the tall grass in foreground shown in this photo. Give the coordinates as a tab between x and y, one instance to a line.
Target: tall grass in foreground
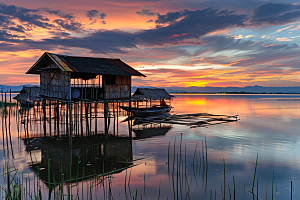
19	188
87	186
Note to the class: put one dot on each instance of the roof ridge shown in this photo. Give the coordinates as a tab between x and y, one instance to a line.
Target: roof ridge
85	57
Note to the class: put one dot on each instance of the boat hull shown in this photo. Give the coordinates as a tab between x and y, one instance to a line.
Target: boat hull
144	112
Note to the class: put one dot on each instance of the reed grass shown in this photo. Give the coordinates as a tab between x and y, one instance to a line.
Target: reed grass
18	190
233	188
273	184
254	172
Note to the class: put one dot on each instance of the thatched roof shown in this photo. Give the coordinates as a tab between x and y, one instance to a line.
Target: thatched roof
29	94
86	65
151	93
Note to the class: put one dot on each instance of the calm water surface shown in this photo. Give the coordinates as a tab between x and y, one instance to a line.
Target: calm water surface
268	128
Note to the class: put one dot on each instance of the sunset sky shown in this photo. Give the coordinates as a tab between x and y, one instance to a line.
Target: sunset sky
183	43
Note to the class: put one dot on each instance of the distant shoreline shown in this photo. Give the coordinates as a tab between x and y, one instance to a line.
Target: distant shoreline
230	93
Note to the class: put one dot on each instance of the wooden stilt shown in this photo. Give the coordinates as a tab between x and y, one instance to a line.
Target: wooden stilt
50	117
130	121
96	121
118	104
71	119
105	119
57	116
67	119
90	106
114	113
81	118
86	105
44	118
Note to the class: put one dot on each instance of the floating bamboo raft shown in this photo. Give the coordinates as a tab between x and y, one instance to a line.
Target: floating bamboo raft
191	120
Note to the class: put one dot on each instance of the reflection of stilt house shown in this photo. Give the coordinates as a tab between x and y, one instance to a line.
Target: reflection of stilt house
84	158
70	77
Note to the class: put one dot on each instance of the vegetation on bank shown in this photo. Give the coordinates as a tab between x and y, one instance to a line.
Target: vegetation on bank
5	104
242	92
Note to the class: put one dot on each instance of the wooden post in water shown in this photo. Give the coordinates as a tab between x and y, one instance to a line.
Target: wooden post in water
75	119
44	118
96	115
2	99
71	124
118	104
10	96
50	117
81	123
57	116
114	118
67	118
130	120
86	105
105	119
90	118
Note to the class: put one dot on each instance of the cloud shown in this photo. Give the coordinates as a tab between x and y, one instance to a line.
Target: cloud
275	14
178	26
174	32
18	28
59	13
91	14
24	15
19	19
69	25
94	14
102	16
102	41
146	12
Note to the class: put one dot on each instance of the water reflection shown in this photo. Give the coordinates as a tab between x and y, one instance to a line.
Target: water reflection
86	157
163	168
148	132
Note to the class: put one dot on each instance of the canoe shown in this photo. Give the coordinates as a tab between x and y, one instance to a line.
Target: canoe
143	112
26	104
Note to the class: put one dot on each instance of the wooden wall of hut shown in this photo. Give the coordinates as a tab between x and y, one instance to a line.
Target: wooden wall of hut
55	83
117	87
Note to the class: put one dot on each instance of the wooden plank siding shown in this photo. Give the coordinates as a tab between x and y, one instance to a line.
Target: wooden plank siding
120	90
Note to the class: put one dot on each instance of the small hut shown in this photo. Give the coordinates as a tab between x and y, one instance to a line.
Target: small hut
73	77
28	93
153	95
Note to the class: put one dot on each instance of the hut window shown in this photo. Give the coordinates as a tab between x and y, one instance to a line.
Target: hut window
110	79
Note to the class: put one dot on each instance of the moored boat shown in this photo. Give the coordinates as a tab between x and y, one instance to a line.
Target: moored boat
144	112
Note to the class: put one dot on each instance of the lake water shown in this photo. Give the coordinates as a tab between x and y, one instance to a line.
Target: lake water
162	161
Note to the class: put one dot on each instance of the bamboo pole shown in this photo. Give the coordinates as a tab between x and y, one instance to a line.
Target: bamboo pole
57	117
44	118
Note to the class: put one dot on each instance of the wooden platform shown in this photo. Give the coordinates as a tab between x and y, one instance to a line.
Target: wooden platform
191	120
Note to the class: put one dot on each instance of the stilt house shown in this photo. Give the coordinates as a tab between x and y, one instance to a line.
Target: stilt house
153	95
73	77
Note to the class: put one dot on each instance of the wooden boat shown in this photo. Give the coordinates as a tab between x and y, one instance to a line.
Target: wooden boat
143	112
26	104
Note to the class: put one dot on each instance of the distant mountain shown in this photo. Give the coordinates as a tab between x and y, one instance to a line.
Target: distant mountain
247	89
6	88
